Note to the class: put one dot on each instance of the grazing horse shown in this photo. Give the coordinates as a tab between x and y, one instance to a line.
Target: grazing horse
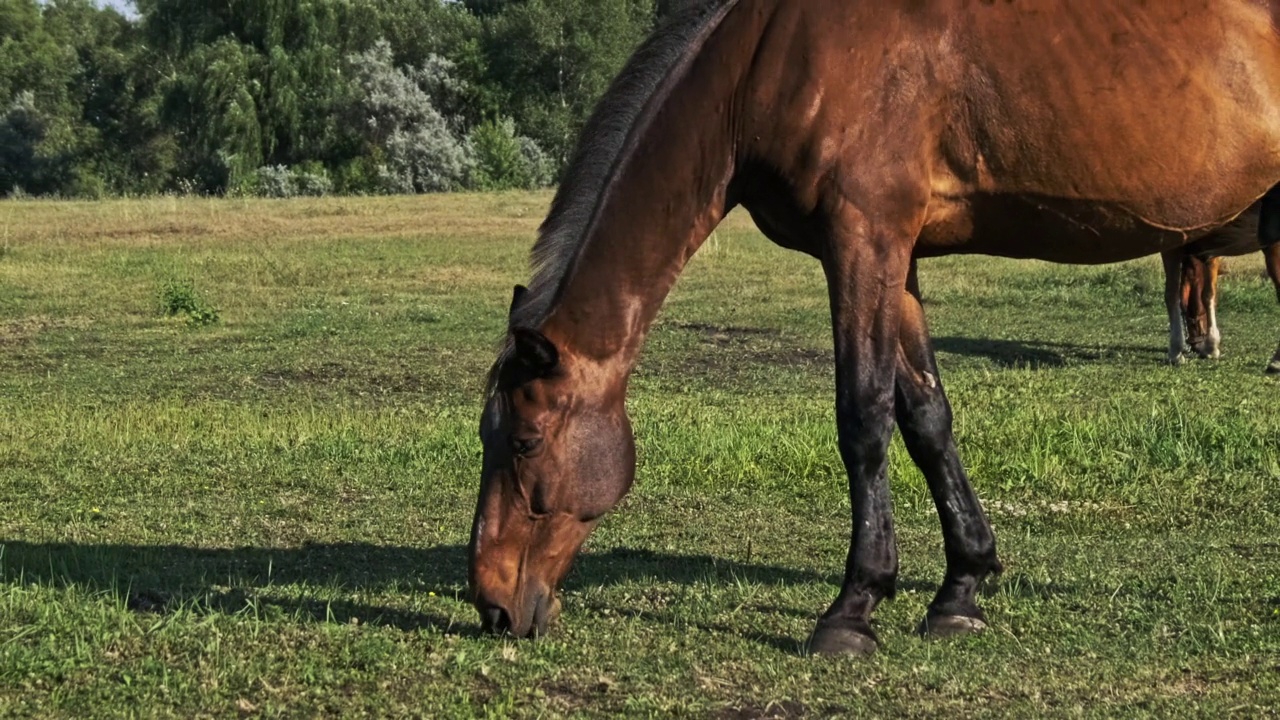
863	134
1191	285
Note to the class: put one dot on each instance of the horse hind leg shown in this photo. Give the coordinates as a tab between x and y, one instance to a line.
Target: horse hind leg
1210	344
1269	239
1272	255
1173	302
924	417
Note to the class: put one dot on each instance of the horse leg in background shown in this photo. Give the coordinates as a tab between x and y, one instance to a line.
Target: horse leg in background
1272	255
1193	296
1207	337
924	417
1269	239
1174	303
866	265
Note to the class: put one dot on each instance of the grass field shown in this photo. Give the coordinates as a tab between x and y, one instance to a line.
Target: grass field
266	515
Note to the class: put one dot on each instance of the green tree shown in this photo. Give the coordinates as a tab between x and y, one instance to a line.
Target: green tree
212	107
505	160
37	129
121	145
220	94
551	60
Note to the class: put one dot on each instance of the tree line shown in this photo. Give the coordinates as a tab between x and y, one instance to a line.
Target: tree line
290	97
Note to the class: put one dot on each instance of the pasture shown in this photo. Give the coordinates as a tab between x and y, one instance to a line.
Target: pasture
266	515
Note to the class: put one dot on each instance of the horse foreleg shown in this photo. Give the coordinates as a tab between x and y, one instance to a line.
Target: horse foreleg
866	267
924	417
1173	304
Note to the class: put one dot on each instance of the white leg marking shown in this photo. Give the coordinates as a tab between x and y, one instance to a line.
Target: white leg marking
1215	335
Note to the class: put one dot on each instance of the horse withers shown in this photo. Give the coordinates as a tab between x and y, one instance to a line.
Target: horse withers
864	134
1191	285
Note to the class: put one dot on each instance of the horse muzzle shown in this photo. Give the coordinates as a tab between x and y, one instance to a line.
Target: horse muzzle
531	614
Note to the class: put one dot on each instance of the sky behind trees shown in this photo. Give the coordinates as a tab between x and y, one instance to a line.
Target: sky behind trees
124	6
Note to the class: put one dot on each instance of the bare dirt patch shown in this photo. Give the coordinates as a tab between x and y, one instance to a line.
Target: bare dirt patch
359	380
567	697
779	710
23	330
726	350
726	333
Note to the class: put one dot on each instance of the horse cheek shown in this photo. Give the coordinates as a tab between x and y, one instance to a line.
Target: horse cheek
606	464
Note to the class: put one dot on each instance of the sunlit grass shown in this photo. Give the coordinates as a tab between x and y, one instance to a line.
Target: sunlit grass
266	515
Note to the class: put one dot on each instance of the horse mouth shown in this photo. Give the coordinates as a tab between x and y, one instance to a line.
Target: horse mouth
540	616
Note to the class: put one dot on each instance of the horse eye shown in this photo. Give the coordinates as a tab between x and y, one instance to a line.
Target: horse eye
524	447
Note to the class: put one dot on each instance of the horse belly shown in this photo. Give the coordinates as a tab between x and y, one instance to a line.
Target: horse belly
1238	237
1041	228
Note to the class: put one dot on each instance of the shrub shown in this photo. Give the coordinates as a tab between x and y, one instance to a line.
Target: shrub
504	160
359	176
179	298
540	167
312	180
396	116
274	181
87	184
278	181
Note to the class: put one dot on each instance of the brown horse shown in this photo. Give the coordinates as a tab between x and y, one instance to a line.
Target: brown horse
861	133
1191	285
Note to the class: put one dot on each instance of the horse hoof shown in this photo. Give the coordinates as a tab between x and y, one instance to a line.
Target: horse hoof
1274	368
942	627
830	640
1176	360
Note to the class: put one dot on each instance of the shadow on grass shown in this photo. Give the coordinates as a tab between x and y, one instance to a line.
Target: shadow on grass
1034	353
162	578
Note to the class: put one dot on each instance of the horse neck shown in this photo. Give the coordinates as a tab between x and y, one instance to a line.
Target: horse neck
667	196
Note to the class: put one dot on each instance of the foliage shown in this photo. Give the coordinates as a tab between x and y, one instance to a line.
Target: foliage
178	298
21	130
552	59
278	181
388	96
504	160
396	112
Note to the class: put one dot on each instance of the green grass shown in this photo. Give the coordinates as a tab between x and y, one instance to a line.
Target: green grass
266	515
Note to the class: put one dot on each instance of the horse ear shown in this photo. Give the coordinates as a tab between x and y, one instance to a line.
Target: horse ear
516	297
535	351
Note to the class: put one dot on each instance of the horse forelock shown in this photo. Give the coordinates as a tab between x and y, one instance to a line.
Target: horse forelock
602	152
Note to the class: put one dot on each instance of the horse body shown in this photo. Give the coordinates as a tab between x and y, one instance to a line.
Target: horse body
865	135
927	100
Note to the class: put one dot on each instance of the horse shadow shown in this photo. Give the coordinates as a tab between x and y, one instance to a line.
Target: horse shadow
1037	353
162	579
166	578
